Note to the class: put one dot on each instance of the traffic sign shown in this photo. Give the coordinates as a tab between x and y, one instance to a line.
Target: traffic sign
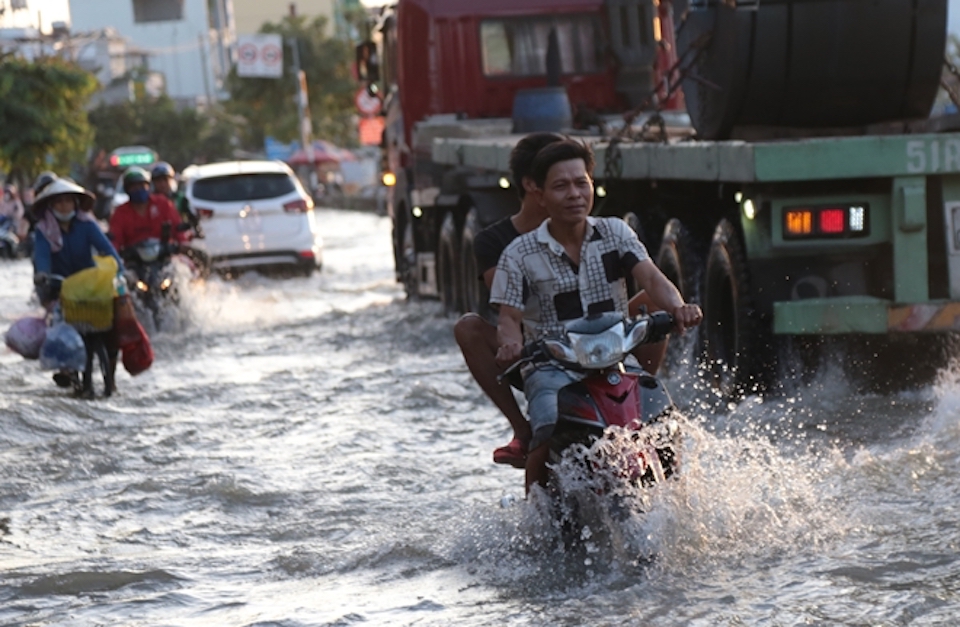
260	56
366	104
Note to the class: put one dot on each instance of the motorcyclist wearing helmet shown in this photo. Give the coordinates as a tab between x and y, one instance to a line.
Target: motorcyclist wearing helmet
143	216
165	182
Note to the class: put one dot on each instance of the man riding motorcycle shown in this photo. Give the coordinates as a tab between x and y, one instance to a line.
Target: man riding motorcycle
570	266
143	216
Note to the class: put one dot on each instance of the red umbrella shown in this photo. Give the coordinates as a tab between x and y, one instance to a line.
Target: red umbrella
323	152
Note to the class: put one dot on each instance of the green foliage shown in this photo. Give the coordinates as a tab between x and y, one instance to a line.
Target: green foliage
44	125
269	106
180	136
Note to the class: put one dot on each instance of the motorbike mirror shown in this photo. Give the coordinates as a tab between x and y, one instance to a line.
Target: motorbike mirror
183	226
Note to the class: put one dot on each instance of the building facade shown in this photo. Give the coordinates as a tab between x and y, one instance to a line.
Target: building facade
189	42
250	15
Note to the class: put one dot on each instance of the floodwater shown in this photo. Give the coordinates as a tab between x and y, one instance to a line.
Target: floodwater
310	452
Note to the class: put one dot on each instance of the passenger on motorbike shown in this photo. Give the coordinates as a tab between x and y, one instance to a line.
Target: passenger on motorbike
477	337
570	266
66	235
164	179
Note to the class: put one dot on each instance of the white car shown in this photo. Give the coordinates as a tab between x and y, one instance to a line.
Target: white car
254	214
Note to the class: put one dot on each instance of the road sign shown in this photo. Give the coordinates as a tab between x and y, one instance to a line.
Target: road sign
367	105
259	56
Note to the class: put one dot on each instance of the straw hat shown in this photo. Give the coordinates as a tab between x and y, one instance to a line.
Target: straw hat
60	187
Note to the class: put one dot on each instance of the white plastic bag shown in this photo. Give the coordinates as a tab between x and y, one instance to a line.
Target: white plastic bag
63	349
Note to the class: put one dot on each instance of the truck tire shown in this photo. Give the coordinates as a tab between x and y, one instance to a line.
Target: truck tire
448	266
734	350
407	261
475	294
679	262
633	221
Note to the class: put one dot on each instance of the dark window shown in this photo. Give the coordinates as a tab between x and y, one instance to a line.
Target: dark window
243	187
518	46
157	10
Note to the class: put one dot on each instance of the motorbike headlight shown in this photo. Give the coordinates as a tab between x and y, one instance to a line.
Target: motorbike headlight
599	350
142	286
165	284
637	334
560	351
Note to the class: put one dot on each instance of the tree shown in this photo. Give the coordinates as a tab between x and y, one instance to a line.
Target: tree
42	105
180	136
269	106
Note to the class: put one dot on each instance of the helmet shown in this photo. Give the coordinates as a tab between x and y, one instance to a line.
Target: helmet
44	179
161	170
135	175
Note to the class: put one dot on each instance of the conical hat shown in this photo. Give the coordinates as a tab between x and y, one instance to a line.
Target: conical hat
60	187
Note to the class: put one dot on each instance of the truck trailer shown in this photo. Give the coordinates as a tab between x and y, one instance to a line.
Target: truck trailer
796	188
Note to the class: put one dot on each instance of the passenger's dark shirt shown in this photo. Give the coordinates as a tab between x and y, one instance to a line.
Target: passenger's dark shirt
490	242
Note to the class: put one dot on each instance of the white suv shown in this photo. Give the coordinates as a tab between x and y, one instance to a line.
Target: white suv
254	214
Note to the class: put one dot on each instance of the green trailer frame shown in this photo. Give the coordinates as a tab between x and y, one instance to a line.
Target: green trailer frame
898	216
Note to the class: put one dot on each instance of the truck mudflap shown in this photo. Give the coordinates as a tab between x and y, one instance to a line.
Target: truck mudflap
864	314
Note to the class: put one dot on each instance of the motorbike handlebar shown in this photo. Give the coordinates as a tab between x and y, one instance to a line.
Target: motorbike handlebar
660	325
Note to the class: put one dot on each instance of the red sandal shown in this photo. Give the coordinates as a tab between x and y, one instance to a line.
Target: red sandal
514	454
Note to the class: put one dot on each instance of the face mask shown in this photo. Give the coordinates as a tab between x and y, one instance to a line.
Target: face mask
64	217
138	196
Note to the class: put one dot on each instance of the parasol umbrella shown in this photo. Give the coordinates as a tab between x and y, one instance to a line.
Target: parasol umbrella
323	152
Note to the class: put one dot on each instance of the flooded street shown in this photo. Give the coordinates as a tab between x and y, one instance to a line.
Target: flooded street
309	452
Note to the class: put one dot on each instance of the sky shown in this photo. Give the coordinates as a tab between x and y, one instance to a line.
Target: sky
59	10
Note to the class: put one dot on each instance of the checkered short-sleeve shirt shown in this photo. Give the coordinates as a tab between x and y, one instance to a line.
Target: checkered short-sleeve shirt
537	277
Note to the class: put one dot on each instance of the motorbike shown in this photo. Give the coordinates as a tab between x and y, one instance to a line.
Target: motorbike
618	422
10	245
150	274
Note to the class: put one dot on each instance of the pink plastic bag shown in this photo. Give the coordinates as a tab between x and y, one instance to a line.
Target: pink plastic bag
25	336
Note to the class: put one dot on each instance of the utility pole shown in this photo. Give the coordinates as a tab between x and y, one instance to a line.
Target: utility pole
303	112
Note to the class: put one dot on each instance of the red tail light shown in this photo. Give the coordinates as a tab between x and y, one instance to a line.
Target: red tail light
307	254
832	221
204	213
298	206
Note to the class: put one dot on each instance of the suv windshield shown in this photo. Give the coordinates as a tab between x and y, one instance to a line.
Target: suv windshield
243	187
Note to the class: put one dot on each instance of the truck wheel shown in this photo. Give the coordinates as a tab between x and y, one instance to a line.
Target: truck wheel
448	266
679	262
633	221
407	262
475	294
733	347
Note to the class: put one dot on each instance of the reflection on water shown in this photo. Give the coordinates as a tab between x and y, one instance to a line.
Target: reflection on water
314	452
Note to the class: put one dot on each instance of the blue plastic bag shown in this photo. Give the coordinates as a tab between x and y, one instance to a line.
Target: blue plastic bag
63	349
25	336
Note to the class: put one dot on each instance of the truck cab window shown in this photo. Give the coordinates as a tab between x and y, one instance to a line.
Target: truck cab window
518	47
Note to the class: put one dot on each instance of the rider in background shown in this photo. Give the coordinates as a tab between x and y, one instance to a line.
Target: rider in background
12	208
144	215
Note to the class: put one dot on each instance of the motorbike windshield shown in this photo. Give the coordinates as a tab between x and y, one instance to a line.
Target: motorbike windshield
148	250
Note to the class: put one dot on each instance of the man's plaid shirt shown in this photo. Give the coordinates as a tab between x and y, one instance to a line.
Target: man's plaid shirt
537	277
